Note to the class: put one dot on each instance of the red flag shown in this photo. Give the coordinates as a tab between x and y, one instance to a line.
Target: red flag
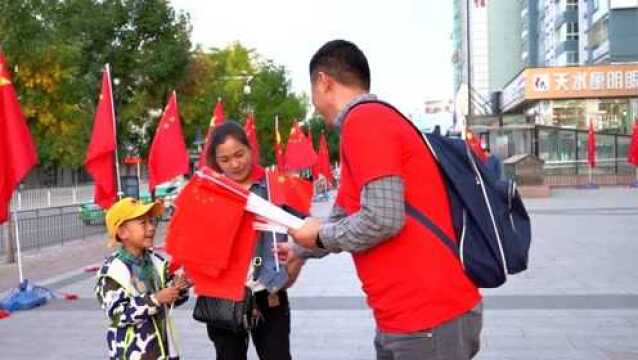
168	156
289	190
17	152
475	145
212	236
218	115
251	132
479	3
218	118
591	146
633	147
279	152
100	158
299	152
323	162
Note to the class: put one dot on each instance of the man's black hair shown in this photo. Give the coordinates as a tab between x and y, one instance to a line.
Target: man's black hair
344	61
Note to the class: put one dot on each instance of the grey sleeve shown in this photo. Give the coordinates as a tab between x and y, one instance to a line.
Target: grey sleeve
382	215
336	214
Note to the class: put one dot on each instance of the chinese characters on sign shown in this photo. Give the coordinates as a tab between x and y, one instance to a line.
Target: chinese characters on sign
582	82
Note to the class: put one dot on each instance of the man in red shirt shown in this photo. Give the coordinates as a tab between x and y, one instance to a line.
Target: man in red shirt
424	305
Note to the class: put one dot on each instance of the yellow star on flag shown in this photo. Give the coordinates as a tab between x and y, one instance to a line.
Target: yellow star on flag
3	80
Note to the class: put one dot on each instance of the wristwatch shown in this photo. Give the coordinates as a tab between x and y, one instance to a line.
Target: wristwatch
318	242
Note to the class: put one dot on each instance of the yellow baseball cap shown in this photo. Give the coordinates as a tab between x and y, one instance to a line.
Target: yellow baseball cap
127	209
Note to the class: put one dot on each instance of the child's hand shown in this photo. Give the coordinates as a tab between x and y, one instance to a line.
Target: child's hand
181	282
167	295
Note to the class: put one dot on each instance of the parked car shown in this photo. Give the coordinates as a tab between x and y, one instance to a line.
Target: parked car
91	214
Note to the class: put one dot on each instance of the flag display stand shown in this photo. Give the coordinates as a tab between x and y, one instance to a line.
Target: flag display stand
590	185
634	184
591	157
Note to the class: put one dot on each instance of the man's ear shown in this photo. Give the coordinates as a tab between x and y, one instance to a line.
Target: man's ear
324	81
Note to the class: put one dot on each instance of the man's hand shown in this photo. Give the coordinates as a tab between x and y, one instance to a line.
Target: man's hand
294	266
306	236
284	252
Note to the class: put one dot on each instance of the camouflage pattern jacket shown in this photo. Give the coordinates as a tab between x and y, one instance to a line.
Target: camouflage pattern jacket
138	328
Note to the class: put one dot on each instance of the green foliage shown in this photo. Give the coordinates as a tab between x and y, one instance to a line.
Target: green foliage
60	48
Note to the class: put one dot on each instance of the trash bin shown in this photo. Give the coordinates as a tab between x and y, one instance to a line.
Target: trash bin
525	169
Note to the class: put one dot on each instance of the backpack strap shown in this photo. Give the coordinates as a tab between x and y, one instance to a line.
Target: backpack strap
420	217
415	213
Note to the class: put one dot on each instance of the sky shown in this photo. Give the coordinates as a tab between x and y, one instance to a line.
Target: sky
407	42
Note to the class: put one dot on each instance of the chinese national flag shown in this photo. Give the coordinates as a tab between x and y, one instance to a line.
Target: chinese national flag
100	158
217	119
633	147
299	152
168	156
212	237
251	133
17	151
292	191
279	152
323	162
591	146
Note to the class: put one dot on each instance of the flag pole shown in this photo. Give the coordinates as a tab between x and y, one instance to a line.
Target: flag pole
274	235
469	72
117	159
18	250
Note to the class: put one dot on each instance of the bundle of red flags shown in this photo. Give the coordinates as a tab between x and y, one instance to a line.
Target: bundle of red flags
289	190
17	152
212	237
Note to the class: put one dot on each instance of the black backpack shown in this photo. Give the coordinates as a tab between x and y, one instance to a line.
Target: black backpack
490	220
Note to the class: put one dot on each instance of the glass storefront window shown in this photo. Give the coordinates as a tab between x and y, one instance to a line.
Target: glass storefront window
609	115
624	167
568	113
558	148
605	154
614	116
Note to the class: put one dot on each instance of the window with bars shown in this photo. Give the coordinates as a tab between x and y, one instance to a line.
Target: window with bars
572	31
571	5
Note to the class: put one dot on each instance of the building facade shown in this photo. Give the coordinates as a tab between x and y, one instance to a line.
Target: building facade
575	62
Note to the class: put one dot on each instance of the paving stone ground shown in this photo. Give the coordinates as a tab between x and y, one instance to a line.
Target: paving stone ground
578	300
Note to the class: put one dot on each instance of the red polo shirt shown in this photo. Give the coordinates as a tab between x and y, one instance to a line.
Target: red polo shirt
413	282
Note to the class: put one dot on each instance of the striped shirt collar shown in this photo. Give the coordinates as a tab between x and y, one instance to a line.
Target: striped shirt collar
342	114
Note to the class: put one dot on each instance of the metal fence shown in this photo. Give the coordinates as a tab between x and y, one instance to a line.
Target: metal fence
54	197
52	226
4	236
